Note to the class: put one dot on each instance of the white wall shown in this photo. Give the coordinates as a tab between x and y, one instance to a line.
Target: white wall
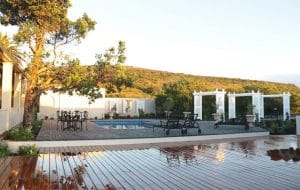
10	116
51	102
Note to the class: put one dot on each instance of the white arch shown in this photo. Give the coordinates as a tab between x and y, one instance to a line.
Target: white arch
286	103
258	102
220	102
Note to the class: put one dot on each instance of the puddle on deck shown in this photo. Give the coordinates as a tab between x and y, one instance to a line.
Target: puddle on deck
130	169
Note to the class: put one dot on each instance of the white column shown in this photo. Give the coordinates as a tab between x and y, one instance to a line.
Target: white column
7	84
231	106
7	72
17	87
262	107
286	105
256	101
298	125
220	103
198	105
124	105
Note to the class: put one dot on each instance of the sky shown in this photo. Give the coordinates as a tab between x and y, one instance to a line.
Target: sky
257	39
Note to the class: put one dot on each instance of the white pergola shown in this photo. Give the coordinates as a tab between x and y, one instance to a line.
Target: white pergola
220	102
258	102
285	100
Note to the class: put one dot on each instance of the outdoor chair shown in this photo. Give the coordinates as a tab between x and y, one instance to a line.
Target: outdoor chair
190	122
171	123
233	121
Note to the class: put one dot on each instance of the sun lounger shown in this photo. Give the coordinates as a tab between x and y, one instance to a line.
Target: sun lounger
190	122
170	123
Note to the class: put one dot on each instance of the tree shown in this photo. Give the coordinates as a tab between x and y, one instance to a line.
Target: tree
176	96
86	80
43	27
11	48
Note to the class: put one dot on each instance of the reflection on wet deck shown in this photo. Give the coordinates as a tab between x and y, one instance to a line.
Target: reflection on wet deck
265	163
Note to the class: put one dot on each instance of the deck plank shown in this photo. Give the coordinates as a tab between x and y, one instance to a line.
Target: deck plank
179	165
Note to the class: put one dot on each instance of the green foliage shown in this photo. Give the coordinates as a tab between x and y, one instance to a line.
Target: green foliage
4	151
208	107
20	134
141	113
280	127
43	26
11	48
149	83
28	150
36	126
250	109
163	103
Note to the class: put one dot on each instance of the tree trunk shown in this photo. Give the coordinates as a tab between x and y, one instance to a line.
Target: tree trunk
30	100
33	92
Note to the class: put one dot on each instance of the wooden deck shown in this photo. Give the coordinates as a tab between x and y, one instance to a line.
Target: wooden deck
224	165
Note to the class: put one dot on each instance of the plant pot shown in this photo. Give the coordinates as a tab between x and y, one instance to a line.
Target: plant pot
250	118
217	116
111	114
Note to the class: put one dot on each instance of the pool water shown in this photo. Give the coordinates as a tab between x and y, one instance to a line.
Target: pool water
122	124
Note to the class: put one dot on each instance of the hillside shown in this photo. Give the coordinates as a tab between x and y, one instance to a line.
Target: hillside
148	83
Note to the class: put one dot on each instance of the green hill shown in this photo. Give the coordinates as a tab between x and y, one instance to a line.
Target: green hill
149	83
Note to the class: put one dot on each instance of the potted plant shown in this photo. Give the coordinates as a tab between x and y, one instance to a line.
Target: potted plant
250	116
112	111
216	116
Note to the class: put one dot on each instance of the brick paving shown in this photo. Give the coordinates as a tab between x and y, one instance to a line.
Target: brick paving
49	131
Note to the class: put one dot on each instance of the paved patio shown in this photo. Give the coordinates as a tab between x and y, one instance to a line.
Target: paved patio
49	131
261	163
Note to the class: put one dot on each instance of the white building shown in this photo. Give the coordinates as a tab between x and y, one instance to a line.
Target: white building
11	99
51	102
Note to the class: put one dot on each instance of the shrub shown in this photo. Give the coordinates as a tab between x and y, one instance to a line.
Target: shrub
4	151
106	116
36	126
141	112
28	150
20	134
281	127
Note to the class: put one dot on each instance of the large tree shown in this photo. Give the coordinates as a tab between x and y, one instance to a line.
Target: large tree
43	26
11	48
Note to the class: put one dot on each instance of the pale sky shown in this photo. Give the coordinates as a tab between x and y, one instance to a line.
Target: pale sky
257	39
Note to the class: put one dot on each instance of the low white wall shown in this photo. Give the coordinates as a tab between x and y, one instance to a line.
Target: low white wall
51	102
10	118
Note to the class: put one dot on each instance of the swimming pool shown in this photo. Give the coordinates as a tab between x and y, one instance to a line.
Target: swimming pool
122	124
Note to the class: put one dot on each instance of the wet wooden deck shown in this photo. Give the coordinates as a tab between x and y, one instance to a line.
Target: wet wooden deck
225	165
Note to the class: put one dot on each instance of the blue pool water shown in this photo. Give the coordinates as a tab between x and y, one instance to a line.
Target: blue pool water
122	124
